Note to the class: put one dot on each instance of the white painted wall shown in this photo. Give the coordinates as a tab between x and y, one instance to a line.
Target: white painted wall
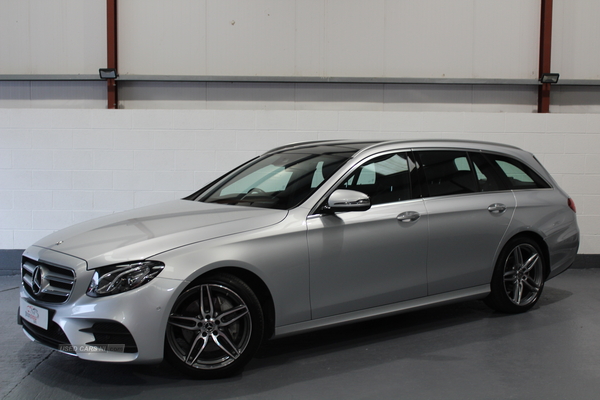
59	167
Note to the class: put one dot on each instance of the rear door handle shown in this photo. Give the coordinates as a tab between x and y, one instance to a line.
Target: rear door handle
408	216
497	208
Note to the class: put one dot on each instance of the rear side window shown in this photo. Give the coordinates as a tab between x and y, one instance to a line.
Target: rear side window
448	173
488	178
517	174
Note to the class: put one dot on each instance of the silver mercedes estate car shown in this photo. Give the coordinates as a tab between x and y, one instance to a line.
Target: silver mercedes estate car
306	236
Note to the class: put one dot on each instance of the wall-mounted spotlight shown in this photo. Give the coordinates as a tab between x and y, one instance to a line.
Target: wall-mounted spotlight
549	78
108	73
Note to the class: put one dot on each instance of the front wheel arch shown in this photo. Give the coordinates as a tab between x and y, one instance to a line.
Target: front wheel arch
258	286
215	326
261	290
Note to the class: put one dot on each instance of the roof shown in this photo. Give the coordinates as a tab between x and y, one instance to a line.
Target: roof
361	146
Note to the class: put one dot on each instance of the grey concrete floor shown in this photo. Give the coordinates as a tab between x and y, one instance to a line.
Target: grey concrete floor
463	351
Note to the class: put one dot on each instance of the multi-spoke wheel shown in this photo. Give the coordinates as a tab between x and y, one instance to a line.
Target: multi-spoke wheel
215	327
518	279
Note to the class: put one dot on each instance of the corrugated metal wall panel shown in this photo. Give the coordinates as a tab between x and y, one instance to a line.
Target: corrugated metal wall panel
575	38
343	38
54	94
52	36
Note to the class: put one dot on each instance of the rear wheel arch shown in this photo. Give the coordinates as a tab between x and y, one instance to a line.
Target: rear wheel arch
519	274
540	242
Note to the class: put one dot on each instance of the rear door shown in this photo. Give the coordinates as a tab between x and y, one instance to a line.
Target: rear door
469	212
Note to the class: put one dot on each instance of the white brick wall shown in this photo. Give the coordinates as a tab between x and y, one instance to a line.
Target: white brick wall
59	167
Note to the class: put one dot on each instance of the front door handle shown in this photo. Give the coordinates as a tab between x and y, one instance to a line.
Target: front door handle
408	216
497	208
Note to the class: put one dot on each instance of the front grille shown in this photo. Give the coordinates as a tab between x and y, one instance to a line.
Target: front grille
112	333
47	282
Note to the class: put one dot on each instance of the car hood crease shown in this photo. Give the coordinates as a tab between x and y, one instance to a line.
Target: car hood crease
143	232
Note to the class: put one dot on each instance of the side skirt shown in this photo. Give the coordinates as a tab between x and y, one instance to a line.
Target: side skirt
476	292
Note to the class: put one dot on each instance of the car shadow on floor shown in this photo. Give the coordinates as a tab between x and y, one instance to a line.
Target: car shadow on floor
417	335
411	325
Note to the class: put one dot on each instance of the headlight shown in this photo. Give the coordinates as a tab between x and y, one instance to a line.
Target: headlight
123	277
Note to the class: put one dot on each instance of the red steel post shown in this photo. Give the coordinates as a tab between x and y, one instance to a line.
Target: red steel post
545	50
111	35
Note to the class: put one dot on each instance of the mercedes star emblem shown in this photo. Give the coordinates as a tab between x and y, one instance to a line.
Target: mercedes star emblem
36	285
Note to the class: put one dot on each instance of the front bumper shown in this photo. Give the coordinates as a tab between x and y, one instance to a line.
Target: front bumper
126	327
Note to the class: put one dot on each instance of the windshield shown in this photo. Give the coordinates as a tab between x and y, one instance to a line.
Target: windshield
281	181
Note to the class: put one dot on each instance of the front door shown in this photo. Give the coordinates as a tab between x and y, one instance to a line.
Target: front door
365	259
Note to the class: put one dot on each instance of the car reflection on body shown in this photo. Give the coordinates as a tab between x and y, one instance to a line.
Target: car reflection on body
306	236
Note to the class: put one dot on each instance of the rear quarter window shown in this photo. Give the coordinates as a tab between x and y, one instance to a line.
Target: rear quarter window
517	174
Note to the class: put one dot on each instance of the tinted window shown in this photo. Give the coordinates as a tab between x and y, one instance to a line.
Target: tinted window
447	173
385	179
488	178
517	174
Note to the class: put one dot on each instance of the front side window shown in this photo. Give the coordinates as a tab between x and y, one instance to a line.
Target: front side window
385	179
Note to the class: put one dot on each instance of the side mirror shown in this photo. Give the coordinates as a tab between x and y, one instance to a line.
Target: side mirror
348	200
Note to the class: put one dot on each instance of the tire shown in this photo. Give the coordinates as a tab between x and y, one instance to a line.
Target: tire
518	278
215	327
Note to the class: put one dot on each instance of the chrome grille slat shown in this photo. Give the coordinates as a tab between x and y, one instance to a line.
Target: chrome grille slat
59	278
56	291
27	280
47	282
29	267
